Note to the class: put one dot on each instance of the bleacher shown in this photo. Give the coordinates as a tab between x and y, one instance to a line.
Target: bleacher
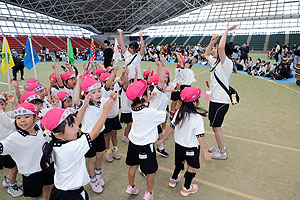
58	42
257	42
81	42
240	39
180	40
14	44
156	41
276	38
294	38
44	42
206	40
193	40
88	40
23	39
168	40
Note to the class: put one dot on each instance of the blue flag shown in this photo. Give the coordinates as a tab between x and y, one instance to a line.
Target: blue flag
28	56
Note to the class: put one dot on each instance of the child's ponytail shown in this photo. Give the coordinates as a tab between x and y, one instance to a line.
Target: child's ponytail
46	160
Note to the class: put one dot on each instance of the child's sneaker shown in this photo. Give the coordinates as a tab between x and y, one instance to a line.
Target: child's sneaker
173	182
100	179
148	196
219	155
214	148
96	186
193	189
163	153
132	190
5	183
125	139
108	157
14	191
116	154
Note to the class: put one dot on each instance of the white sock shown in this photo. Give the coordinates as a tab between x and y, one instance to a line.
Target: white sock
161	146
93	179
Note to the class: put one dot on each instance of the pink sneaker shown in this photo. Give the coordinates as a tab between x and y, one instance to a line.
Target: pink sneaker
132	190
100	179
108	157
96	186
116	154
173	182
148	196
193	189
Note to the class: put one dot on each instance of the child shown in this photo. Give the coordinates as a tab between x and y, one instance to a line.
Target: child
66	82
142	136
90	118
67	150
65	99
112	124
8	127
25	147
29	81
189	133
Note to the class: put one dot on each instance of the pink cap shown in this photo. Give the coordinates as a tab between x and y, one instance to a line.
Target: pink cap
67	75
26	109
104	76
167	73
146	73
63	95
136	90
99	71
153	80
189	94
88	71
52	77
35	87
28	96
54	117
2	96
89	84
29	81
108	69
88	76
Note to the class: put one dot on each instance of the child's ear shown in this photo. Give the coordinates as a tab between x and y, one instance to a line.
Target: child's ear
58	136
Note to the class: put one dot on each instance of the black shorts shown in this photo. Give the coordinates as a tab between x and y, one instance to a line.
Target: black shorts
98	145
159	129
184	86
79	194
33	184
175	96
216	113
126	118
145	156
191	155
7	162
112	124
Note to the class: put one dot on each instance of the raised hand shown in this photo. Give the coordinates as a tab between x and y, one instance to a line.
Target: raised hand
54	66
120	30
109	105
141	33
14	83
11	98
232	27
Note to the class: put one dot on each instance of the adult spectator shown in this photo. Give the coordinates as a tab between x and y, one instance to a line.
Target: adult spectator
277	53
297	56
107	54
19	66
244	53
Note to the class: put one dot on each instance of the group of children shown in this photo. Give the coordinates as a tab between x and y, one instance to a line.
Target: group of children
41	140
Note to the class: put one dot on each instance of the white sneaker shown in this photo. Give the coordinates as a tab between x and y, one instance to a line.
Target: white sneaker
218	155
131	190
214	148
14	191
5	183
125	139
148	196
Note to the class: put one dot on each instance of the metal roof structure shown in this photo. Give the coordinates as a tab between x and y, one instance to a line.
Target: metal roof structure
108	15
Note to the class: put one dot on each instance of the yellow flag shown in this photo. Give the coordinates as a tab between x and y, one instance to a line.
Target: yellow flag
9	57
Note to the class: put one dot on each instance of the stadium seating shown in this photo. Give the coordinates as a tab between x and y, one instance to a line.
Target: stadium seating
240	39
276	38
257	42
168	40
294	38
180	40
14	44
82	42
193	40
156	41
206	40
23	39
57	41
44	42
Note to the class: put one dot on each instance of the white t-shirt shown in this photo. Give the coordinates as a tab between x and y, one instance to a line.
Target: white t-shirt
188	76
69	163
7	125
144	126
125	103
178	76
91	116
136	63
160	101
105	94
223	72
25	150
68	90
186	132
